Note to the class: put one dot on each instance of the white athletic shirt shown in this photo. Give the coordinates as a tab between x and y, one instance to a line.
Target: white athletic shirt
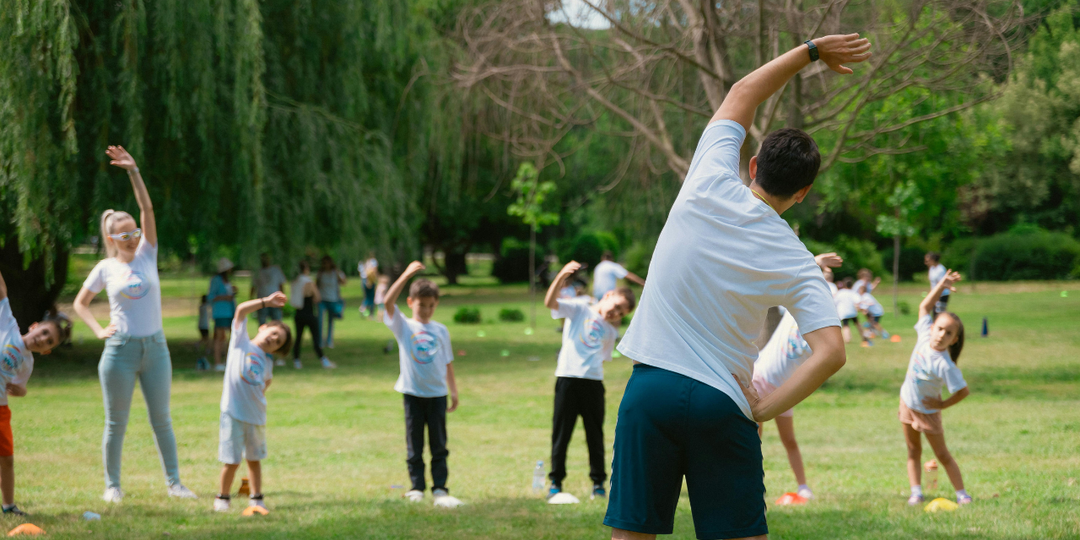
606	277
16	361
296	291
134	291
862	282
269	280
723	259
424	351
832	288
847	302
247	370
871	305
783	354
936	274
587	340
928	371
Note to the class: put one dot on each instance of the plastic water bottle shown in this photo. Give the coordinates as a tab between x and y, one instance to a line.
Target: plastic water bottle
538	477
931	473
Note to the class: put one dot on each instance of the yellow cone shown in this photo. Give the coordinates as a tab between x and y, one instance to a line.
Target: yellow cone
941	505
26	528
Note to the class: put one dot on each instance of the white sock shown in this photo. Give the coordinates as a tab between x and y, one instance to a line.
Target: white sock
916	491
9	506
962	493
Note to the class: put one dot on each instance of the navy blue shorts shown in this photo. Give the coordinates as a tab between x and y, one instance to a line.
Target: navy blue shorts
671	426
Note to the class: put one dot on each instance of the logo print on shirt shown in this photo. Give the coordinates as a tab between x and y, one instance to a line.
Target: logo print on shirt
424	347
10	360
135	286
253	369
592	335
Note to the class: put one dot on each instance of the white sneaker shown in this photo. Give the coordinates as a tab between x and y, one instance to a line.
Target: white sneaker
296	364
414	495
219	367
113	495
445	500
221	505
326	363
806	493
181	492
279	362
257	502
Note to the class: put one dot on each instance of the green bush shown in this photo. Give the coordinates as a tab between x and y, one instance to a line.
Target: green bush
587	248
467	315
513	264
639	255
1025	254
856	254
511	315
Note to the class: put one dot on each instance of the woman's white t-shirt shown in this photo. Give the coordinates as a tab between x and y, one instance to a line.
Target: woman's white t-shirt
134	291
928	371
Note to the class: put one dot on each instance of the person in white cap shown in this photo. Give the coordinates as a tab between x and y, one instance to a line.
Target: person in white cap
223	298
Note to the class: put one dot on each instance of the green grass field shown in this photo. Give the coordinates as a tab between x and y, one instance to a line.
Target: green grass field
337	446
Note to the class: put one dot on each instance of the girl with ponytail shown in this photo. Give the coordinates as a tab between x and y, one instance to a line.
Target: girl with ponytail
933	366
135	347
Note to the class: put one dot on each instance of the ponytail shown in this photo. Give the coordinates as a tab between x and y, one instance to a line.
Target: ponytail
955	348
107	218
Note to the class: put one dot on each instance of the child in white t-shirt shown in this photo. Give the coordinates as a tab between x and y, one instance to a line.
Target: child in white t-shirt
427	375
936	273
847	302
249	370
872	310
588	339
380	294
16	365
933	366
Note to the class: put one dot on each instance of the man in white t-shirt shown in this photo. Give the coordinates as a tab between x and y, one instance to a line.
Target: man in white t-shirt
724	258
16	365
932	260
607	274
268	280
589	334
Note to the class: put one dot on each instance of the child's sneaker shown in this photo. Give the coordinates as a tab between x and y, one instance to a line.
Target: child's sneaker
113	495
219	367
327	364
296	364
885	335
14	511
181	492
598	492
915	500
280	362
554	490
414	495
202	365
257	501
445	500
960	499
220	504
805	493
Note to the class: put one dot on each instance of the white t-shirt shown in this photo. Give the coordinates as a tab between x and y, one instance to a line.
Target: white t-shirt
134	291
928	371
936	274
847	302
832	288
296	292
587	340
247	370
723	259
16	361
783	354
606	277
268	281
871	305
862	282
424	351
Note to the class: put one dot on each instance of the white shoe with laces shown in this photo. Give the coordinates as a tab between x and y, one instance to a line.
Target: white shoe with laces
806	493
113	495
414	495
445	500
327	364
296	364
221	505
180	492
257	502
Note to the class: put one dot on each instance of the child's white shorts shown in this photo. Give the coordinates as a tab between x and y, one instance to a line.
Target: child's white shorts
240	441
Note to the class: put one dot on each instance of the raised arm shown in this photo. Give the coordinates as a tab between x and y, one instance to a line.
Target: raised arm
635	278
828	357
828	260
414	268
926	307
121	158
247	308
745	96
551	299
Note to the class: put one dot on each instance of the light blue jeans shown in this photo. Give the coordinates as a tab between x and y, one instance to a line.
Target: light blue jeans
328	309
125	359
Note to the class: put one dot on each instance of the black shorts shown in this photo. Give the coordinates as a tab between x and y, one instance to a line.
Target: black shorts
852	321
204	332
671	426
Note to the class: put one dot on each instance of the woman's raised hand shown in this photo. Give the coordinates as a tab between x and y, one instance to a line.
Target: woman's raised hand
121	158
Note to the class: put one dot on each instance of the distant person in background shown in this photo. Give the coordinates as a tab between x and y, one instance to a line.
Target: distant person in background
873	311
865	278
268	280
847	302
369	276
223	299
607	275
937	273
204	334
380	294
830	279
330	280
304	296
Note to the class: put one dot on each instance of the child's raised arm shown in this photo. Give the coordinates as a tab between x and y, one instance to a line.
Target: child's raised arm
551	299
392	294
243	310
926	307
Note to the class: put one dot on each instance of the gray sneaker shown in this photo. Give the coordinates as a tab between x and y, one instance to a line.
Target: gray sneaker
181	492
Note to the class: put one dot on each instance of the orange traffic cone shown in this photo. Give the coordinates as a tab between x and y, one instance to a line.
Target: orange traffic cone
252	510
894	338
26	528
790	498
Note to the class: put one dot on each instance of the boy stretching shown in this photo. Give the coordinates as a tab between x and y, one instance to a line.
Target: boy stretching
588	339
249	370
724	258
425	356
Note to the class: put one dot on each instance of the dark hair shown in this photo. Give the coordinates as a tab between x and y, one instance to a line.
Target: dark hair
955	348
848	282
424	288
787	162
63	329
288	335
203	299
304	265
628	294
607	255
934	256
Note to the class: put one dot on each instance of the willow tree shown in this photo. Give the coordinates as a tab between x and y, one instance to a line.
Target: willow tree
289	127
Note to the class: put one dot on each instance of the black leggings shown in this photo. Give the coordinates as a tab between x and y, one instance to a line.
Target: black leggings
311	322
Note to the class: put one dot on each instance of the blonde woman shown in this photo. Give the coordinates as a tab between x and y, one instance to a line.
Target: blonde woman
135	345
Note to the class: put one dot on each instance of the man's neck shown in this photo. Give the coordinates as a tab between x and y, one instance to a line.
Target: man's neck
778	205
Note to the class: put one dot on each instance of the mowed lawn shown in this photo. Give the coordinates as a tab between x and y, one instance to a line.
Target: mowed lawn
337	448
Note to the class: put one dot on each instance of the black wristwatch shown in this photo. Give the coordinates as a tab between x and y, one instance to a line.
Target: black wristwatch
813	50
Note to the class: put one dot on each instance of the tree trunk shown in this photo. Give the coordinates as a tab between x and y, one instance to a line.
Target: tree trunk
896	276
532	276
454	265
30	295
